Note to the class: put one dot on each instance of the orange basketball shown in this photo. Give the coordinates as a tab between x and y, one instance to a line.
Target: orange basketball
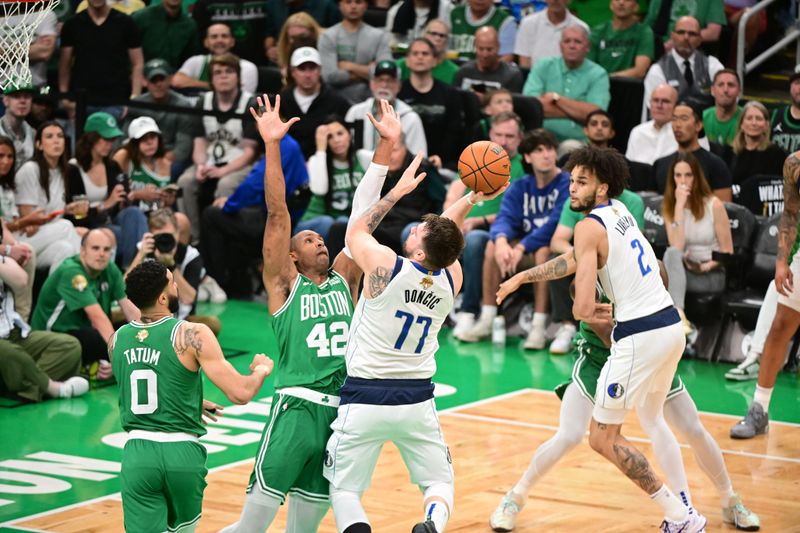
484	166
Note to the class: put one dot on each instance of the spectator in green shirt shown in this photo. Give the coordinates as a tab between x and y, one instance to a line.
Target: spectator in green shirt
623	46
167	32
720	120
663	14
437	32
76	299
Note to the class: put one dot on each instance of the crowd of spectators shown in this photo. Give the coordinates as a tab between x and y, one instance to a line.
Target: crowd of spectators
168	166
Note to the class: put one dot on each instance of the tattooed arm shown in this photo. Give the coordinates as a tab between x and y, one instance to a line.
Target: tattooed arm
787	226
197	347
560	267
377	261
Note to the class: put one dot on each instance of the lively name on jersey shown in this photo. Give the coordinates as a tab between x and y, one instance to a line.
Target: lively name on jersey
323	305
624	224
426	298
142	354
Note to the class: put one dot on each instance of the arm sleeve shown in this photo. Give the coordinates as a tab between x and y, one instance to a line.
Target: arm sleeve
522	45
541	236
133	37
191	67
116	281
73	289
67	33
249	77
414	133
507	36
636	207
534	85
568	218
715	13
509	218
722	175
599	90
327	51
646	43
27	182
318	173
653	78
384	51
193	272
367	194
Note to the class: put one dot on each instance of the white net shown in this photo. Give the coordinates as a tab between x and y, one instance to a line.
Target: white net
18	23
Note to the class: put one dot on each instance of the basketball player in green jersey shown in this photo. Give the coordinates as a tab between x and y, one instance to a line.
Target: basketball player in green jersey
787	316
157	361
311	304
577	396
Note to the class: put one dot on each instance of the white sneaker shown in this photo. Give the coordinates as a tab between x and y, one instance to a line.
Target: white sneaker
740	516
746	370
481	329
202	293
464	322
215	293
505	516
536	339
562	343
74	386
696	523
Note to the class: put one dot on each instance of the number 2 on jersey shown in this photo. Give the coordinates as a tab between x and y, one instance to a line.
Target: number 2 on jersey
335	346
408	321
643	268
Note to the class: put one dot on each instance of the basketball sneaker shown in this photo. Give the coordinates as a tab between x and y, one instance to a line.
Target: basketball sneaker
481	329
740	516
536	339
756	422
424	527
464	322
696	523
505	516
562	343
74	386
746	370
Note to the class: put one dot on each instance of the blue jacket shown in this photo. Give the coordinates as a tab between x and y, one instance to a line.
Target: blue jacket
529	213
251	191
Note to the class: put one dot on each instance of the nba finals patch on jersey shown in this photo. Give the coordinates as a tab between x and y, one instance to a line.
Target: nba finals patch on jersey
79	282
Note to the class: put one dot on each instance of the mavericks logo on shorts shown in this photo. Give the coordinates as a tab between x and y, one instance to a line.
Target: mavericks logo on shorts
615	390
328	459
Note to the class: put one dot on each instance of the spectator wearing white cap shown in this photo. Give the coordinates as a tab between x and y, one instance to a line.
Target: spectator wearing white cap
307	97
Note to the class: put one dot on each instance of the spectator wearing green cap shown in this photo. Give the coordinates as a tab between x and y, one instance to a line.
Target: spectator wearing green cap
95	177
167	32
18	101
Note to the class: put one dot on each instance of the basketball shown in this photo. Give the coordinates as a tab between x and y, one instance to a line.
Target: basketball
484	166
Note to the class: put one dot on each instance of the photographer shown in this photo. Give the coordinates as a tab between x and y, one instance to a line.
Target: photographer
161	244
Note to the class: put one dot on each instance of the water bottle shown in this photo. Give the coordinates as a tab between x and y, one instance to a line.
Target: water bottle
499	331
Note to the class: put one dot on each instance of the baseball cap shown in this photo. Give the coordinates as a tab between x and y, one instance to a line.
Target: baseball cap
141	126
104	124
157	67
14	87
387	66
305	54
795	75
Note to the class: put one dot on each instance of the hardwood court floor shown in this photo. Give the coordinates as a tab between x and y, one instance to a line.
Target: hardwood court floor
491	442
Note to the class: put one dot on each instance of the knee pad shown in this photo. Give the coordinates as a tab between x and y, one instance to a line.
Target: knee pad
441	491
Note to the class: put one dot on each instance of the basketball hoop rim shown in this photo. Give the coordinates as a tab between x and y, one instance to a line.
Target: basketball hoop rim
24	1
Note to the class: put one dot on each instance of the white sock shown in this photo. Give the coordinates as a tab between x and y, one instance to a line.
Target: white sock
667	452
258	513
681	414
304	516
438	513
539	319
762	397
488	312
347	508
672	506
576	413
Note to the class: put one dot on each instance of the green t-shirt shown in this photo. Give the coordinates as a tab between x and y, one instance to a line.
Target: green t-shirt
462	33
594	12
68	290
617	50
156	392
445	71
705	11
312	329
341	188
720	132
484	209
570	219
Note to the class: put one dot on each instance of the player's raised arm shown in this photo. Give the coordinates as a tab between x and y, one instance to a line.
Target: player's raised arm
376	260
459	210
557	268
279	270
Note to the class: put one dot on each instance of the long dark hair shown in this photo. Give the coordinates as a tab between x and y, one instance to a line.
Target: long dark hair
7	181
135	153
41	161
700	192
351	157
406	16
83	149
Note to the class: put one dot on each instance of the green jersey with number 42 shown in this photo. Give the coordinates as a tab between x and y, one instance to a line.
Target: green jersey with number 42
312	328
156	392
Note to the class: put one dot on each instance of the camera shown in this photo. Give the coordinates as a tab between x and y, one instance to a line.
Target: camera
164	242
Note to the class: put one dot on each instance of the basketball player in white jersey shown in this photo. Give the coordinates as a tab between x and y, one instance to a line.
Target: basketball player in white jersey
648	338
388	392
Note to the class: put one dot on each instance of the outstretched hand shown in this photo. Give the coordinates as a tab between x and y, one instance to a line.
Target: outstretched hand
270	125
479	196
388	127
509	286
410	179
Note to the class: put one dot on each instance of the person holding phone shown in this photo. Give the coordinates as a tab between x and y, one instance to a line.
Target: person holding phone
697	225
94	177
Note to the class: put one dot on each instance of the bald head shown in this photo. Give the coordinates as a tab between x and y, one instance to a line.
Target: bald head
686	36
486	35
662	103
96	248
95	236
487	47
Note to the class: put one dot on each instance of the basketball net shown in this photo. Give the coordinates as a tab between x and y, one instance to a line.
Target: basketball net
18	23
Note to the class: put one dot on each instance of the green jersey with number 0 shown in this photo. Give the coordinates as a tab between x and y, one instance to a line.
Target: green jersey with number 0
156	392
312	329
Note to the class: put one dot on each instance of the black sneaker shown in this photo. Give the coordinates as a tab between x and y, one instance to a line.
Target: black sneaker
424	527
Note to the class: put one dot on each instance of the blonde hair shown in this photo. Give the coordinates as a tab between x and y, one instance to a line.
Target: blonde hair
302	19
739	144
